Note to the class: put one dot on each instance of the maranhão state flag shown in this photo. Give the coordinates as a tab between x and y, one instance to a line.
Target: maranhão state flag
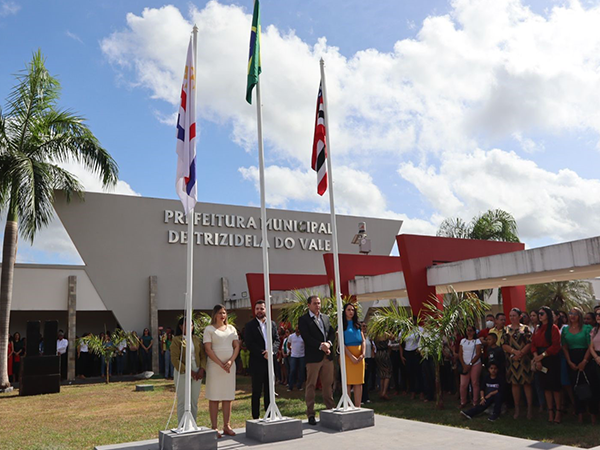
186	184
319	154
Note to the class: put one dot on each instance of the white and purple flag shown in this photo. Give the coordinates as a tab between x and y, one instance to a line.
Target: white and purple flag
186	184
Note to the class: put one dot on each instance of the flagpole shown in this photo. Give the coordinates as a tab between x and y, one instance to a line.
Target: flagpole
345	403
188	423
272	412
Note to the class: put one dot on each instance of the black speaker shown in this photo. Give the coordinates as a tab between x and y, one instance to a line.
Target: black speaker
33	338
41	365
50	336
39	384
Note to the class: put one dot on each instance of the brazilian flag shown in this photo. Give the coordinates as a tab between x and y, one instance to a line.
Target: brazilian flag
254	68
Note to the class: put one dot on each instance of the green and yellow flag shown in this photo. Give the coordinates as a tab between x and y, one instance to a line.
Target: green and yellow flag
254	68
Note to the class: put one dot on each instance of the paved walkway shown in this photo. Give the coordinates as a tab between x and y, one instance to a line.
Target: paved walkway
388	433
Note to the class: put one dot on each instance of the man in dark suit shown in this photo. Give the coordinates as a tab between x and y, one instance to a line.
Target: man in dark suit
256	341
318	335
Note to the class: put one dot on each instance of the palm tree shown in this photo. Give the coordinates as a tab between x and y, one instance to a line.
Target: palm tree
107	350
440	323
561	295
35	136
492	225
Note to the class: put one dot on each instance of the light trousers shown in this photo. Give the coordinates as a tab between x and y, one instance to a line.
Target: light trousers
473	378
195	389
324	369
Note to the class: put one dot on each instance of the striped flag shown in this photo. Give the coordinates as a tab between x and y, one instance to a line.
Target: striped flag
319	154
254	68
185	183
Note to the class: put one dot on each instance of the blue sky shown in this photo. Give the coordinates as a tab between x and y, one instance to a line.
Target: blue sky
438	108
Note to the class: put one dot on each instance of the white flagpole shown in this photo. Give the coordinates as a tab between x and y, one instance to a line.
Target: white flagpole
272	413
345	403
188	423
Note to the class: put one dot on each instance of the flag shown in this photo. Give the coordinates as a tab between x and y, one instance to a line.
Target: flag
185	183
254	68
319	154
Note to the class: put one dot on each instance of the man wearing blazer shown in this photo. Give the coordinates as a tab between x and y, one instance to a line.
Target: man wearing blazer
256	342
318	336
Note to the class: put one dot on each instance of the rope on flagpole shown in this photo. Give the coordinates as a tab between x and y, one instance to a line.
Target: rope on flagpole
345	404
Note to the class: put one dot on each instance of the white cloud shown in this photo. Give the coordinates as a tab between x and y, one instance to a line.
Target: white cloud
561	205
486	71
73	36
355	194
8	8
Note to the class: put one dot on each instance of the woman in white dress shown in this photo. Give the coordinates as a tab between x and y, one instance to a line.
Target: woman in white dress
222	347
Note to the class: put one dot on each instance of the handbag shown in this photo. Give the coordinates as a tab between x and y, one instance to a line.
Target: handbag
583	391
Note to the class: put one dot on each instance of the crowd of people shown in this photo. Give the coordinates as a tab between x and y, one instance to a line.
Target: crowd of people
543	359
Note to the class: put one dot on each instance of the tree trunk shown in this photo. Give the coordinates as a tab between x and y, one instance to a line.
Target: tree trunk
438	388
9	256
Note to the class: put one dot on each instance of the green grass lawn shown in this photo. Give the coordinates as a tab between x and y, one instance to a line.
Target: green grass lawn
83	416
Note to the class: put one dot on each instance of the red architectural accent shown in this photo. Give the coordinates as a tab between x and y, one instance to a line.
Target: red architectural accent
356	265
417	253
280	282
513	297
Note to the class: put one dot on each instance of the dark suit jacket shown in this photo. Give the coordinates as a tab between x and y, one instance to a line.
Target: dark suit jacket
312	336
256	343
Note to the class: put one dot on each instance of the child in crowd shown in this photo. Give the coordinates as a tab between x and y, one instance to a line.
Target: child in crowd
495	355
491	394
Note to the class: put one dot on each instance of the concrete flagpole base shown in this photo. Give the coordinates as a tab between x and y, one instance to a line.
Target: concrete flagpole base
203	439
274	431
352	419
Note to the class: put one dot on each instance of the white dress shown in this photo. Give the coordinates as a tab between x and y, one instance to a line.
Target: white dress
220	385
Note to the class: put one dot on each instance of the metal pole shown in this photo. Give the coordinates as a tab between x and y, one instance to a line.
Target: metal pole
345	402
272	412
188	423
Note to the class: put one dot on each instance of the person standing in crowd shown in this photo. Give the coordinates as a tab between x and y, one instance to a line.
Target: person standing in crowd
470	359
120	356
9	360
285	356
256	338
594	366
295	345
516	342
589	318
83	356
168	363
18	353
490	321
499	326
134	347
61	350
222	347
545	346
534	321
413	361
196	366
161	350
491	394
495	355
575	340
384	366
354	352
146	343
318	335
370	366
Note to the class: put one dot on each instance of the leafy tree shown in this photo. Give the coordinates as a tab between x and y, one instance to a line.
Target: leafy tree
440	323
201	320
492	225
35	137
107	350
561	295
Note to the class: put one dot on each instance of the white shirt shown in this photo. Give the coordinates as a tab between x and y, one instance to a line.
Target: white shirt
83	348
297	344
263	329
368	348
469	347
412	341
194	366
121	346
61	346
